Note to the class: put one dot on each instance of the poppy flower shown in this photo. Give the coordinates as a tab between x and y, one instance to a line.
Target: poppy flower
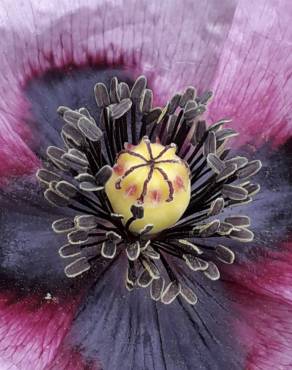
70	275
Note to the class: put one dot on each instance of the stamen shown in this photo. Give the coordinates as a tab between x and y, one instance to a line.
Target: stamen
234	192
212	271
45	176
101	95
77	267
89	129
103	175
226	172
242	234
238	221
118	110
249	170
72	135
151	268
145	279
188	295
210	144
157	287
170	292
146	229
195	263
216	207
70	250
124	90
225	254
137	212
151	253
63	225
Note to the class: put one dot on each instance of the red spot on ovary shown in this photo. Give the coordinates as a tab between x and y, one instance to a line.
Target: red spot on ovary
129	146
118	169
155	196
179	183
131	190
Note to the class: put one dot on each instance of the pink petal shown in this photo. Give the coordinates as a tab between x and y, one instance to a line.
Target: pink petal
253	83
175	44
263	296
15	156
179	41
31	332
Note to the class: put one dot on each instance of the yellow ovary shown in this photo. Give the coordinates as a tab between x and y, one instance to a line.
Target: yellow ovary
155	177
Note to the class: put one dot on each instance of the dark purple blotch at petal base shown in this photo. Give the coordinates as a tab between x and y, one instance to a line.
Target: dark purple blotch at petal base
132	331
30	262
71	87
270	211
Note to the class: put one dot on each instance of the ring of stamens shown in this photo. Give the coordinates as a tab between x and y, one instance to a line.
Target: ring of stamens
77	174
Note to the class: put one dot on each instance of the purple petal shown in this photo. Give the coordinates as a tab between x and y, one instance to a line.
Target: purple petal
176	45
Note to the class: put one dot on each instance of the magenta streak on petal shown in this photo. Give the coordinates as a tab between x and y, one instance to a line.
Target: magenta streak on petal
253	84
31	332
68	359
263	296
15	157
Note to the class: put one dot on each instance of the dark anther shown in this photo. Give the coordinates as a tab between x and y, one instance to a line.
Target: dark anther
137	211
103	175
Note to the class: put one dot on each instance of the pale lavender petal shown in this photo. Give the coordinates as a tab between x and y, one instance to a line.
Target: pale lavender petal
253	83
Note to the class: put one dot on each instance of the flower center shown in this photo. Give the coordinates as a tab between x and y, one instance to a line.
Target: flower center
163	211
151	175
